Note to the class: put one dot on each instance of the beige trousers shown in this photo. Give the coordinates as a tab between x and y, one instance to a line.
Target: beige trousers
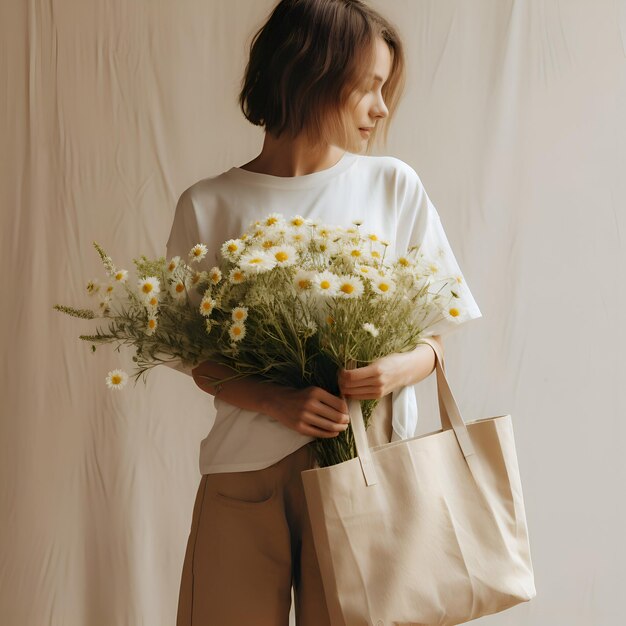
251	541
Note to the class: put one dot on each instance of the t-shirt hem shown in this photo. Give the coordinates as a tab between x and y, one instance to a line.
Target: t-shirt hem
247	467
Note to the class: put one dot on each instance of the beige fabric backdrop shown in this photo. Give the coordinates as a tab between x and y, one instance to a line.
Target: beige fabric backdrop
514	119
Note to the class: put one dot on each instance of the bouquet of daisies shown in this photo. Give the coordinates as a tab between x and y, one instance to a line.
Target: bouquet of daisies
291	300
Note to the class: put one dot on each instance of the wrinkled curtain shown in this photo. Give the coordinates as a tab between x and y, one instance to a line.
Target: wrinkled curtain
514	118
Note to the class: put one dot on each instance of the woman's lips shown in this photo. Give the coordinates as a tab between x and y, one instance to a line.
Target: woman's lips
365	131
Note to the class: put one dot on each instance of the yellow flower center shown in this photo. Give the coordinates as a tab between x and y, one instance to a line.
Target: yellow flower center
373	237
433	268
147	288
375	254
256	260
271	220
324	284
238	276
297	221
239	315
119	276
151	323
402	261
355	252
383	286
330	319
281	256
304	283
179	287
347	288
454	312
207	305
116	379
236	330
153	301
233	247
268	243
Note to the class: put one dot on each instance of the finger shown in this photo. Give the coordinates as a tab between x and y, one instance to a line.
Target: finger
323	423
311	431
335	402
356	374
330	413
372	387
365	393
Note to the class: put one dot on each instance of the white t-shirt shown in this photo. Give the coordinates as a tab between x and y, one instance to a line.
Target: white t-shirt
385	193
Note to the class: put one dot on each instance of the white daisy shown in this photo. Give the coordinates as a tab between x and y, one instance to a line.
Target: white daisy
240	314
297	222
237	331
178	289
404	264
364	270
269	241
383	285
152	302
121	276
197	253
454	313
173	264
325	245
198	278
371	329
236	275
151	325
325	283
273	219
256	262
302	280
215	275
207	304
355	252
148	286
349	286
103	305
284	255
93	286
232	248
116	379
299	238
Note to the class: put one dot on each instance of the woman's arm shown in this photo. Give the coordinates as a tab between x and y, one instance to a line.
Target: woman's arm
311	411
389	373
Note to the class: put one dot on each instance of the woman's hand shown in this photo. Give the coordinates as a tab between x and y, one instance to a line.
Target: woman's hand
375	380
311	411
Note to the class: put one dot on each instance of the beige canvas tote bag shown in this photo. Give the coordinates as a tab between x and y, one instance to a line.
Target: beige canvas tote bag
428	530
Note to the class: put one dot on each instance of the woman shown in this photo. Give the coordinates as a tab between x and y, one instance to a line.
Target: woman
323	78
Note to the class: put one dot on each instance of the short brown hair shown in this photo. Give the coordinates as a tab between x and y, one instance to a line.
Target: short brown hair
306	61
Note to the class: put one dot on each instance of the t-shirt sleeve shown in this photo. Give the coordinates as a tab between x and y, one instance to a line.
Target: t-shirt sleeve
183	236
420	224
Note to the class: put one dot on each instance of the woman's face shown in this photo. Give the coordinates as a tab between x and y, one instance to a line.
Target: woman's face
367	104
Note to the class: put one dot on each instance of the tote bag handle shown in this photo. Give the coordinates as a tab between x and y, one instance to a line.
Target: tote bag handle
449	416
